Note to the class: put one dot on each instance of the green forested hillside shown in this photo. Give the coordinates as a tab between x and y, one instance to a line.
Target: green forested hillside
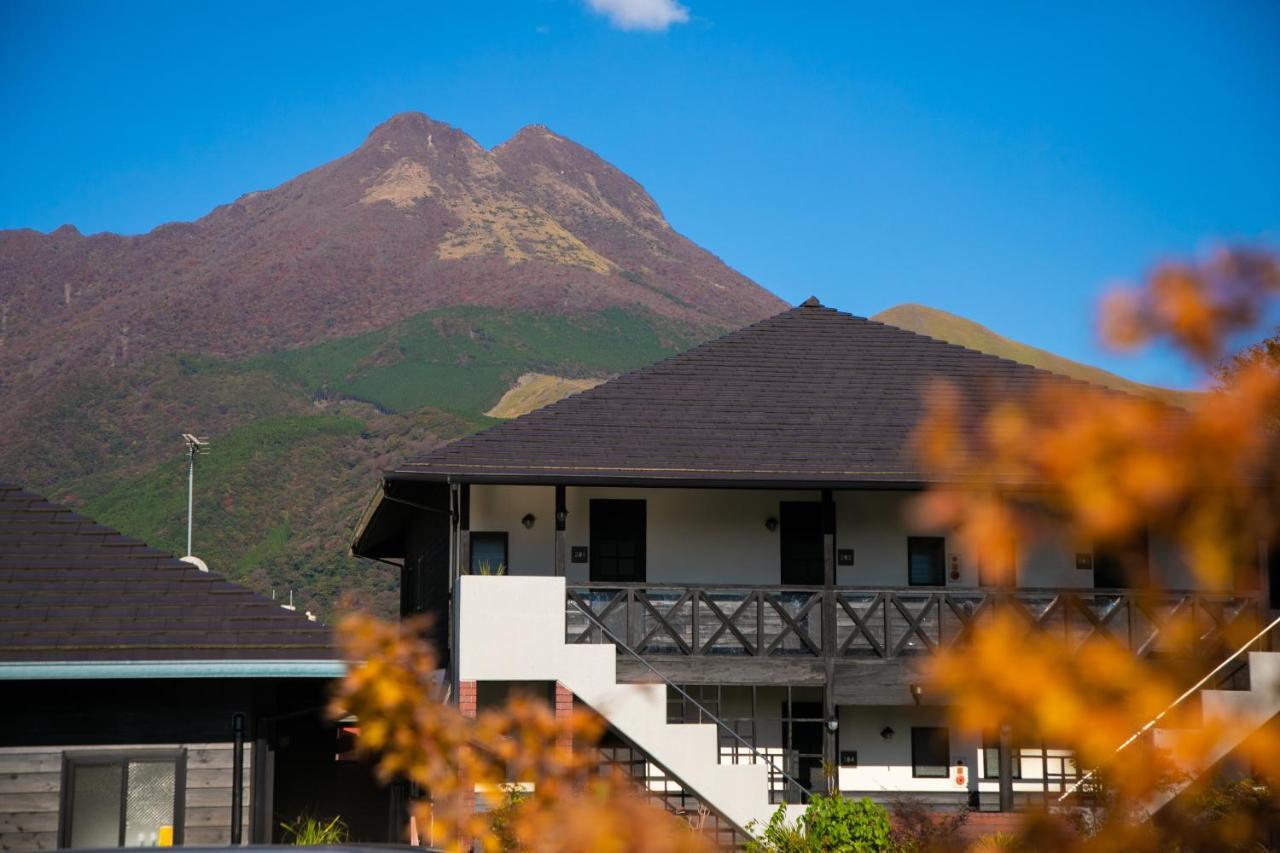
299	436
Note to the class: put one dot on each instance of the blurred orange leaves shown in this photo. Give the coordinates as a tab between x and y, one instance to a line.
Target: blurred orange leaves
468	766
1102	468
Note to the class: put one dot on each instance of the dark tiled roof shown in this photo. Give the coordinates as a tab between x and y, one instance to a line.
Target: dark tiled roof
73	590
811	395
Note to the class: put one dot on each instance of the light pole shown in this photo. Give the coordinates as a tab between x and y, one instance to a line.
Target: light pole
195	447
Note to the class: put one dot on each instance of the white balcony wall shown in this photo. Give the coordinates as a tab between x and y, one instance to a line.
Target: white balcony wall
713	536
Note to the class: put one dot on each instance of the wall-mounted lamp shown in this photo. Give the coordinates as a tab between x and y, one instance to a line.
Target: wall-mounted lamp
887	733
833	724
955	567
917	691
561	515
528	520
771	524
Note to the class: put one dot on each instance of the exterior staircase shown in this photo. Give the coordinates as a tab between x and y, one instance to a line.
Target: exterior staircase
513	629
1247	710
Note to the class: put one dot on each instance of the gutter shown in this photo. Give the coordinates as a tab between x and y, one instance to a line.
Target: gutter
85	670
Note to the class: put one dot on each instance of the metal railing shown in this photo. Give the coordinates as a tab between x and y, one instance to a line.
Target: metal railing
883	623
1187	694
725	728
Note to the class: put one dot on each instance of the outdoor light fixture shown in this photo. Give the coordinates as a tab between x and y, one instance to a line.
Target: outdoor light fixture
528	520
887	733
561	515
917	690
771	523
832	724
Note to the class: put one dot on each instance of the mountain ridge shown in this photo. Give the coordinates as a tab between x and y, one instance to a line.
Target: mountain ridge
962	331
419	216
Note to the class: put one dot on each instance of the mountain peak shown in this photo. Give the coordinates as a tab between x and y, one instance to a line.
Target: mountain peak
414	127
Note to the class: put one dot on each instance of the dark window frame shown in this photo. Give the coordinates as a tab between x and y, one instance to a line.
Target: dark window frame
916	763
936	542
73	759
595	548
491	534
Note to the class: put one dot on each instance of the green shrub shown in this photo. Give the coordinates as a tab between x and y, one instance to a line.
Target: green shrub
842	825
779	836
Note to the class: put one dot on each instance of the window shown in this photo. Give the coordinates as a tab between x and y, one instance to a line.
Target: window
1123	564
617	540
925	558
489	554
991	758
930	752
118	799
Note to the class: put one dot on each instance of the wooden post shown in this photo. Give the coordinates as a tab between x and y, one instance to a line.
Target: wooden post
464	529
562	514
1006	768
830	739
455	514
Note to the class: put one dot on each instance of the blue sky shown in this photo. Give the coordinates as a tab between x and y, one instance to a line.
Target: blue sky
1002	161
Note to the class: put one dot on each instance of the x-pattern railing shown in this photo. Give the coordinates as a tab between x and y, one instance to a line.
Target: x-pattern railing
775	621
696	620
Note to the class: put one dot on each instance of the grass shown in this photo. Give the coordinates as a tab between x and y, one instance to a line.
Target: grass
966	333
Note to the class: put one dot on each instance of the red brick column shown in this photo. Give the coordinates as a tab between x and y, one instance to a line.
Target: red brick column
564	709
467	705
467	698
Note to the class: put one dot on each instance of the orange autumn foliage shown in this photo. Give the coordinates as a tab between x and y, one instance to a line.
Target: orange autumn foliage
467	765
1104	467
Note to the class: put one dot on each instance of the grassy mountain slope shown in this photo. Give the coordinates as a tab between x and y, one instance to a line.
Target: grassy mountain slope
959	330
300	436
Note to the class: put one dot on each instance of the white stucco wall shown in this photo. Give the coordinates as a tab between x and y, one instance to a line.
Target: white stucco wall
885	765
719	536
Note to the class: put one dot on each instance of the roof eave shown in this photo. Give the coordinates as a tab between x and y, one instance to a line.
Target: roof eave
139	669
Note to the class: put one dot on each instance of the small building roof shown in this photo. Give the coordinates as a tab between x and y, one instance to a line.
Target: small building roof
810	397
72	590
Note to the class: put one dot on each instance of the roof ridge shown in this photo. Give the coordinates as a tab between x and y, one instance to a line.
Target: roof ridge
552	409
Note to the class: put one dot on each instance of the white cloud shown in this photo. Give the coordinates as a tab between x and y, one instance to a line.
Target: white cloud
656	15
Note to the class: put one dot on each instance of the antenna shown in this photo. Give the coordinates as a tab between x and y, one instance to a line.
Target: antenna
195	447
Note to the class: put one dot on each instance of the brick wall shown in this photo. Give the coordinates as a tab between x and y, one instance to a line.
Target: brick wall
467	698
564	709
981	824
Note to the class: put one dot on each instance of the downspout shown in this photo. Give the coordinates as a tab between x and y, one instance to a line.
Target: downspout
237	778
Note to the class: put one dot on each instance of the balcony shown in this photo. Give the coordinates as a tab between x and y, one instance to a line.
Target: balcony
876	623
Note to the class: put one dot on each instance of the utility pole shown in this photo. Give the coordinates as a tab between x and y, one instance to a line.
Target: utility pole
195	447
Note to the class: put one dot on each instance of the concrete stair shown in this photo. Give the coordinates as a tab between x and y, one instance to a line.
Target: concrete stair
1248	710
513	629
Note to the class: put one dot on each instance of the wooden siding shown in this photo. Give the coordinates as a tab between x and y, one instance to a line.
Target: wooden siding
31	783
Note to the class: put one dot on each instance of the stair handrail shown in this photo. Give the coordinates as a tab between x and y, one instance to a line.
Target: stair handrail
767	759
1190	691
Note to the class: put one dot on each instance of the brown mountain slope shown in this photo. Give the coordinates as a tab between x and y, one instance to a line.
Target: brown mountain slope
959	330
418	217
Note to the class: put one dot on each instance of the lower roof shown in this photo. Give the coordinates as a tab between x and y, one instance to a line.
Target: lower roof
73	591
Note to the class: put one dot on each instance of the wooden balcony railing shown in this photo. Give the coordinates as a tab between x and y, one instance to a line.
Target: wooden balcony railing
884	623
